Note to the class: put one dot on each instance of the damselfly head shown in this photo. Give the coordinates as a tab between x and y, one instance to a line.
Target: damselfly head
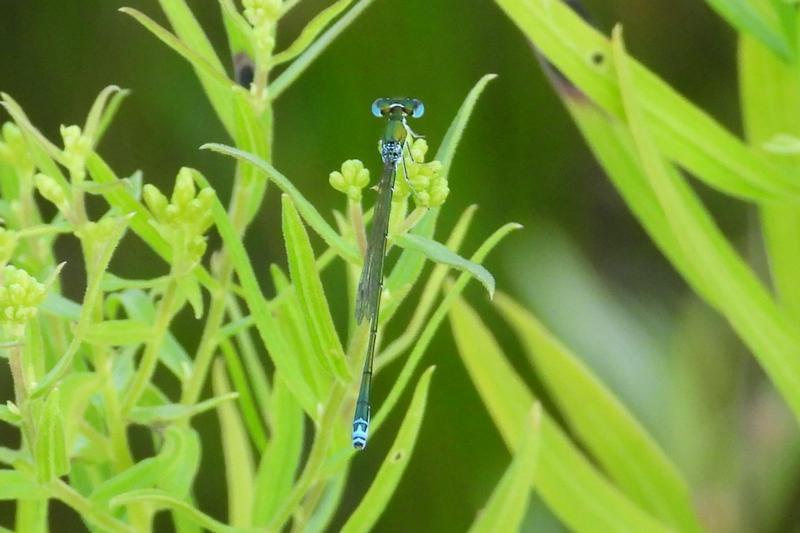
406	107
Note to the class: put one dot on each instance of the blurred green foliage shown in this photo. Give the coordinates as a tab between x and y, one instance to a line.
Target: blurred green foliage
597	281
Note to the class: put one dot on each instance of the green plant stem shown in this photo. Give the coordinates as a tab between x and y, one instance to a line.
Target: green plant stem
316	457
21	391
147	366
238	213
411	220
63	492
304	512
114	419
252	362
357	220
322	438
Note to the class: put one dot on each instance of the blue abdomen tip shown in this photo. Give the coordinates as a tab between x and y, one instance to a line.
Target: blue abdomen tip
360	431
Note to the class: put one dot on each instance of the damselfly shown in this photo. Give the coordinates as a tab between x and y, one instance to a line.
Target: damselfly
368	300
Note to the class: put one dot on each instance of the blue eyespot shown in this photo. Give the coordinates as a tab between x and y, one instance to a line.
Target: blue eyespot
377	106
419	109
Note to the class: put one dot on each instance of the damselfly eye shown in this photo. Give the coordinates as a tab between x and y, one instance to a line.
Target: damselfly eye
377	107
418	108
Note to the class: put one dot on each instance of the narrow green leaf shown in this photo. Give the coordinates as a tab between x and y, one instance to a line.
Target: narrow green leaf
506	507
293	325
109	112
316	311
250	412
745	16
9	415
685	134
43	153
77	390
252	137
10	457
770	94
429	295
266	325
786	11
391	471
306	209
171	412
147	472
239	31
609	431
329	504
736	291
113	283
239	467
288	76
582	497
279	463
15	485
433	325
50	451
178	476
98	110
163	500
118	333
310	32
189	31
439	253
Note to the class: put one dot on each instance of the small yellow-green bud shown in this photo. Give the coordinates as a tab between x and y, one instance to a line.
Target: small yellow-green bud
351	180
20	297
418	150
262	12
429	186
264	40
77	148
184	190
52	191
156	202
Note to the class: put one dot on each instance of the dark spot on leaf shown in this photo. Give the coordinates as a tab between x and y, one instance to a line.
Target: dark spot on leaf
398	455
597	58
244	70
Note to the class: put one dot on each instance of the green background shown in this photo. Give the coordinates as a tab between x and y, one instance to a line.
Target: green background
582	263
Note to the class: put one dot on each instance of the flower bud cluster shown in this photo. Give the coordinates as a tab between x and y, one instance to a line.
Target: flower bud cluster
77	148
429	186
184	218
262	15
351	180
20	297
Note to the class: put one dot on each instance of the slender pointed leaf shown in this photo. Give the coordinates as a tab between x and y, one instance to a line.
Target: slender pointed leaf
603	424
685	134
439	253
395	463
582	498
506	507
302	266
